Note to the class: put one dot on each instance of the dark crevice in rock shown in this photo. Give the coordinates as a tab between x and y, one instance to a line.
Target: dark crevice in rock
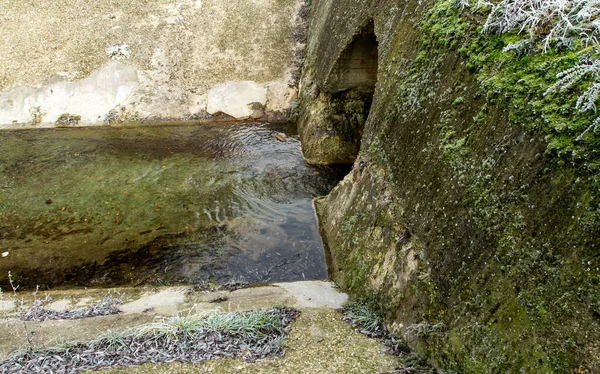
357	65
332	132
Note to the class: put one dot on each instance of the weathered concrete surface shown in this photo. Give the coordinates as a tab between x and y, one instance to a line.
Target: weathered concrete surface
319	342
175	300
7	305
332	125
393	262
459	220
165	302
54	57
312	294
90	98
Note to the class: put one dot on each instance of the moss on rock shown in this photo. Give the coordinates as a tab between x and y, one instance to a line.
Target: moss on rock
485	175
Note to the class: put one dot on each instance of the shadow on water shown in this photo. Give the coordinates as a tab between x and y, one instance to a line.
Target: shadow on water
158	205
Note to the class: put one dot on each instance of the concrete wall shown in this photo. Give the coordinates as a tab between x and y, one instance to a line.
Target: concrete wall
135	60
460	221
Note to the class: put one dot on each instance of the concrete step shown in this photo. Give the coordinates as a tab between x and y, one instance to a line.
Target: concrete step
319	342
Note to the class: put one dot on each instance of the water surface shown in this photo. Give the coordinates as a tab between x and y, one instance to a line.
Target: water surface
158	205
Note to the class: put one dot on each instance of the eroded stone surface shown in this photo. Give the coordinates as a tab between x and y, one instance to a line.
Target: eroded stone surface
90	98
54	57
464	174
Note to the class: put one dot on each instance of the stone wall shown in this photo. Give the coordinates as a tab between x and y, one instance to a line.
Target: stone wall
459	221
103	61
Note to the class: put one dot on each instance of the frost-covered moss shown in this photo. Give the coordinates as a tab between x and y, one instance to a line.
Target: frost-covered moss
519	84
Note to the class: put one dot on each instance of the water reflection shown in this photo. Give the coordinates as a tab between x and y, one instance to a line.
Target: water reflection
160	204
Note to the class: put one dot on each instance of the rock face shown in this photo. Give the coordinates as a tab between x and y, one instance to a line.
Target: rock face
460	220
331	127
143	60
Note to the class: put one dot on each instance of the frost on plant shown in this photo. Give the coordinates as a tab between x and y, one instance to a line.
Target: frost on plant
118	51
550	20
587	66
461	4
520	48
567	78
562	24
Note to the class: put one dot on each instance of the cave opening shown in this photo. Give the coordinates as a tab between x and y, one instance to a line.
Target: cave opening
356	68
352	84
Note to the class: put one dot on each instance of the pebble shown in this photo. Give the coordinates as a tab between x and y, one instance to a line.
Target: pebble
279	136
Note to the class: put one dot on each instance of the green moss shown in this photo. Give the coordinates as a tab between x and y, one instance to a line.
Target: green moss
537	267
486	172
442	27
518	83
458	101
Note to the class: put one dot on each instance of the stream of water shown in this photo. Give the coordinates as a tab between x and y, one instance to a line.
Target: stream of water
158	205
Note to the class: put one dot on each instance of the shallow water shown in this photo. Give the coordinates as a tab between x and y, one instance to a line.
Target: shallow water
158	205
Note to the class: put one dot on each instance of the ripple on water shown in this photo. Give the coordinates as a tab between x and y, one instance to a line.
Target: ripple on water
158	204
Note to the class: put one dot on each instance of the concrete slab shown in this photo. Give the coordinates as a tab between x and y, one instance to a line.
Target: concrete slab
164	302
143	305
59	305
235	98
315	294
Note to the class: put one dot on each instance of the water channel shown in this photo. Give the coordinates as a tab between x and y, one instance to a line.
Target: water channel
161	204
